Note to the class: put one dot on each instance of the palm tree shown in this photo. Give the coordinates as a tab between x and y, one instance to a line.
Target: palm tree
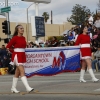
46	16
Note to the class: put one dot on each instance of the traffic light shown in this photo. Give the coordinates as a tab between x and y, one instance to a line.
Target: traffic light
6	40
6	27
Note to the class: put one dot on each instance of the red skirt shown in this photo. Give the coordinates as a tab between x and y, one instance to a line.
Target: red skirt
21	57
85	53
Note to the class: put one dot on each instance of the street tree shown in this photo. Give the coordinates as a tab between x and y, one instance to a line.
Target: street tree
97	13
79	14
46	16
98	4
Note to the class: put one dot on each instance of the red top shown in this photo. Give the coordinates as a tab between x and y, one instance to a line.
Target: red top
84	39
18	42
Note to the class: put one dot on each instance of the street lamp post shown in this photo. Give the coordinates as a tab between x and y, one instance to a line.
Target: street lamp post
28	33
36	8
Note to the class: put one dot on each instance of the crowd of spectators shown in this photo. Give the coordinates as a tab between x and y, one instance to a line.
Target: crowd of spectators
5	59
68	39
71	35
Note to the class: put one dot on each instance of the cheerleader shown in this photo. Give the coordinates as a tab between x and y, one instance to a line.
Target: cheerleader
85	51
18	58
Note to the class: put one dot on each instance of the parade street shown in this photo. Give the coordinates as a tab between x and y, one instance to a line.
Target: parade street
64	86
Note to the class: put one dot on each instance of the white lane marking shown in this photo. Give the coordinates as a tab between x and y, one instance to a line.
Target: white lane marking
72	74
51	81
97	89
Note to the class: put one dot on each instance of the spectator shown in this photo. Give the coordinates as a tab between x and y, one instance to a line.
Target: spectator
97	60
6	61
70	37
90	34
76	34
31	45
98	40
1	63
94	45
54	42
3	51
62	43
94	30
97	22
71	43
65	37
90	19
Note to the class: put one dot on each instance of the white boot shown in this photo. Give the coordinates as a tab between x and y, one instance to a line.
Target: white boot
14	84
94	79
25	82
82	76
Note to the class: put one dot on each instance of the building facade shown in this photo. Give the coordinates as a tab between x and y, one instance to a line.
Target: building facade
50	30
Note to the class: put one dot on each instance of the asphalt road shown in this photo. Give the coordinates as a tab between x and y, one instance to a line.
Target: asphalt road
65	86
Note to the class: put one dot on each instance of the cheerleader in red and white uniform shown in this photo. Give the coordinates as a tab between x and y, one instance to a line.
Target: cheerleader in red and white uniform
85	51
18	58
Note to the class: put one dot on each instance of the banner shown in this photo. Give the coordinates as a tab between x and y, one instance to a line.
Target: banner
52	60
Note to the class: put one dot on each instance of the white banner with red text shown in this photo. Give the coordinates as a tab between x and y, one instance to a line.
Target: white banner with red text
52	60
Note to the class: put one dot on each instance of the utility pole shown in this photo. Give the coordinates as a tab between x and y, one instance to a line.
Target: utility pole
37	10
51	17
7	16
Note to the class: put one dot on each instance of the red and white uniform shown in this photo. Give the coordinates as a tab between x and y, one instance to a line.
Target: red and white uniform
84	42
19	44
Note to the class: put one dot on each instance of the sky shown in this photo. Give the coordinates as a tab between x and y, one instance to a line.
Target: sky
61	9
